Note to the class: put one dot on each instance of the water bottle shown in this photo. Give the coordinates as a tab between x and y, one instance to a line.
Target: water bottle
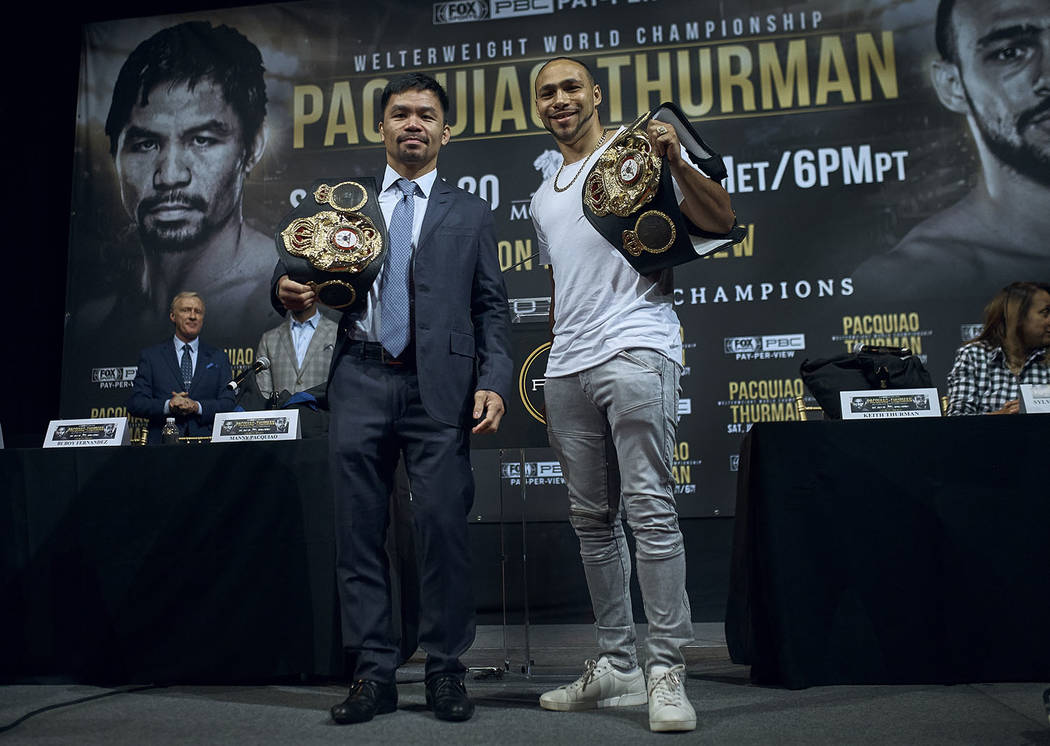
169	434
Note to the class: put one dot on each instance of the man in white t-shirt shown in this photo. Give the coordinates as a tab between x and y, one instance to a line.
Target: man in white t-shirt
611	393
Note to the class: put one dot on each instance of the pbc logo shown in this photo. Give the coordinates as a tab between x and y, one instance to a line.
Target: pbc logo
765	343
464	11
734	462
113	375
514	8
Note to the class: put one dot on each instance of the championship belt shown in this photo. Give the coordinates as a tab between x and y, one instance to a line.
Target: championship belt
335	241
629	197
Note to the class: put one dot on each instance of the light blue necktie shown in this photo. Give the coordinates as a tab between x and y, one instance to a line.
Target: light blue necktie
187	368
299	341
394	304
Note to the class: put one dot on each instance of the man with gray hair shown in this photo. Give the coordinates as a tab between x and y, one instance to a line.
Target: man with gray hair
183	378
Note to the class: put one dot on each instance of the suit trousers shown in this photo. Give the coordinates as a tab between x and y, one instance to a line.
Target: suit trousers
377	416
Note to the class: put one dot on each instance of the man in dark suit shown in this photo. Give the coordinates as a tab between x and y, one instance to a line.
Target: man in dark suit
421	367
184	377
300	354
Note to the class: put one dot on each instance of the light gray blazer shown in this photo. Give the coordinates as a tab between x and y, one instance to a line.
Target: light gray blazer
284	373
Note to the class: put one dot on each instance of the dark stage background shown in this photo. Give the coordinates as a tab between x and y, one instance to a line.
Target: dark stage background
836	144
820	238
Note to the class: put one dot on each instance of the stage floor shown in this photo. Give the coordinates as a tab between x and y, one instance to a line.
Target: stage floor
731	710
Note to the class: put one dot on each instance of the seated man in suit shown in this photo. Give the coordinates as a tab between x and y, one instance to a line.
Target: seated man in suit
300	353
182	377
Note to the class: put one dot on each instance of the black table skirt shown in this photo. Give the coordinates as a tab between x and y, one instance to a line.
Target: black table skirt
168	563
216	563
893	552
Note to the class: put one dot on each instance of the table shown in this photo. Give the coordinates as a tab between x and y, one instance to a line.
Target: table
893	552
216	563
168	563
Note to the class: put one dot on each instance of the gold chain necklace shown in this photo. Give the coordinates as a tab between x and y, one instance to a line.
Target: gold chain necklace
574	178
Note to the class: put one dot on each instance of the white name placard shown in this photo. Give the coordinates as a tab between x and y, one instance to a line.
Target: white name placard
104	431
278	424
884	404
1035	398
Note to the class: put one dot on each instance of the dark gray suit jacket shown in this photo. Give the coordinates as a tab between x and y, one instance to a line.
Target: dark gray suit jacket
461	322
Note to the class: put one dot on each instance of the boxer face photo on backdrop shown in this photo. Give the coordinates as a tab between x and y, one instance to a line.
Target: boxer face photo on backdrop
181	161
1001	79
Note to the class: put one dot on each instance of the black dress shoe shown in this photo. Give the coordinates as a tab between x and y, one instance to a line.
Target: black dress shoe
367	699
447	697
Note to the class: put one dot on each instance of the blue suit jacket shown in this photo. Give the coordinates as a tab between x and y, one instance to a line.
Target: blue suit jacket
460	314
159	374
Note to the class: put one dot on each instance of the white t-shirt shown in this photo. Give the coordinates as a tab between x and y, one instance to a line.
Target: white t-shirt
602	305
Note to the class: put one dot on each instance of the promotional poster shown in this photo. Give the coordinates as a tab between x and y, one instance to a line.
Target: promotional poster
865	174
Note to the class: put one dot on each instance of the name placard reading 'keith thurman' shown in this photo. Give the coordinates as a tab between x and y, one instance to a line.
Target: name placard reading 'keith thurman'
881	404
279	424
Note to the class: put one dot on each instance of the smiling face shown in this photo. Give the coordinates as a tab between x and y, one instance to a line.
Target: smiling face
413	130
181	161
1003	64
566	100
187	313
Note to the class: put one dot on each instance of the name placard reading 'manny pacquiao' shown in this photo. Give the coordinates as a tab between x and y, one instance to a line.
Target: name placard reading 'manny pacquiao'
280	424
106	431
881	404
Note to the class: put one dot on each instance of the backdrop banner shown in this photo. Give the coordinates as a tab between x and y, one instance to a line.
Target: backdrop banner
871	209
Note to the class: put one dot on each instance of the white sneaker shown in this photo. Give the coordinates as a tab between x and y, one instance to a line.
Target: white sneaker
669	708
602	685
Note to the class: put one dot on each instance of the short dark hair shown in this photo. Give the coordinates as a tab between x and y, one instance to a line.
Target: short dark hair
414	82
575	61
943	32
189	53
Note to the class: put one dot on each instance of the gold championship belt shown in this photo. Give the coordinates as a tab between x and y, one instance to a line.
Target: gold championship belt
629	197
335	241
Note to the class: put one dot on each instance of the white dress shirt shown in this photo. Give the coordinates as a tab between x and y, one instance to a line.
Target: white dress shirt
367	325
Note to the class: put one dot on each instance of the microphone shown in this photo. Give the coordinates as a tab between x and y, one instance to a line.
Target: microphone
263	363
534	255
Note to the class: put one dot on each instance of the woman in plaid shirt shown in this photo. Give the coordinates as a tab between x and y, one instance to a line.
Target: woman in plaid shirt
1013	348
